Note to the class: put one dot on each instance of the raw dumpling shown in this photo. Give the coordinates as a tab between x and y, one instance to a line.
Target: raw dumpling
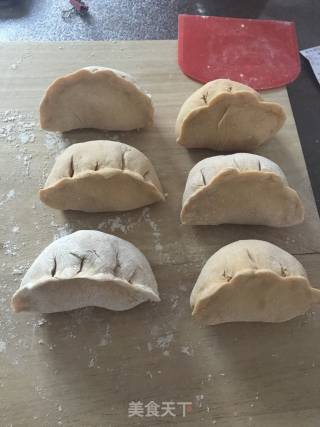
95	97
98	176
240	188
227	116
86	268
251	281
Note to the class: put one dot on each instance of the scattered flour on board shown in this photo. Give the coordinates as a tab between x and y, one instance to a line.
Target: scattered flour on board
18	130
117	223
19	61
158	247
7	197
41	322
26	137
175	300
187	350
19	270
3	346
10	248
199	399
161	340
16	121
61	230
56	142
91	363
124	223
164	341
106	339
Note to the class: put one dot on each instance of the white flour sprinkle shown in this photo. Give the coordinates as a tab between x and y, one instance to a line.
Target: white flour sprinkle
62	230
41	322
174	299
18	271
9	196
187	350
117	224
10	248
26	137
16	122
147	218
124	223
26	161
3	346
56	142
106	339
158	247
29	126
18	129
199	399
164	342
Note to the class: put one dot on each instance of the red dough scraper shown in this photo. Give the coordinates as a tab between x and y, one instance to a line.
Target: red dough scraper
260	53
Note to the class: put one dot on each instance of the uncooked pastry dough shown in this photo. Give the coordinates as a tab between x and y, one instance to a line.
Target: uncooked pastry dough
98	176
227	116
95	97
251	281
240	188
86	268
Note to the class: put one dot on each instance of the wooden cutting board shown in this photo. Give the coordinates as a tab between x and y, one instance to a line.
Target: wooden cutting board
83	368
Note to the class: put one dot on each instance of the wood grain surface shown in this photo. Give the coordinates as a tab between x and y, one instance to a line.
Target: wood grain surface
83	368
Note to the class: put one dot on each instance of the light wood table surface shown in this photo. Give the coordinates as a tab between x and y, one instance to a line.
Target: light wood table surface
83	368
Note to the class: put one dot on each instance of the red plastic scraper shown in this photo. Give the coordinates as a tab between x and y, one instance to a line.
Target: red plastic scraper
260	53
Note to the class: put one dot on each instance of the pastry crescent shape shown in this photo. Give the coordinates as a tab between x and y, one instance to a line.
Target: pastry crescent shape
86	268
99	176
224	115
251	281
95	97
240	188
